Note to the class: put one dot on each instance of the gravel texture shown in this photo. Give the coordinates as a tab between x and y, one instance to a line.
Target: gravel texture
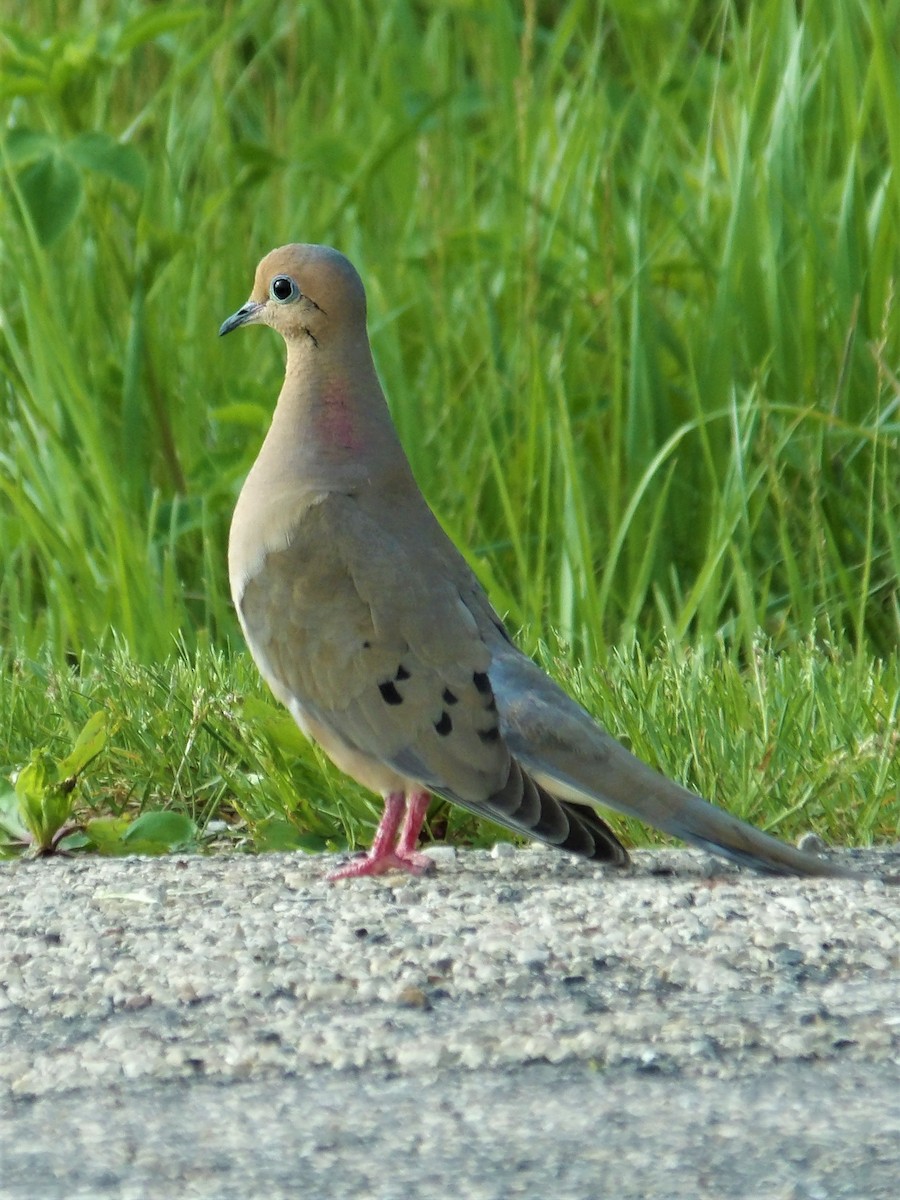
516	1025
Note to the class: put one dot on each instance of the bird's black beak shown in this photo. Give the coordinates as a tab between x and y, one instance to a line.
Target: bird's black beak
245	315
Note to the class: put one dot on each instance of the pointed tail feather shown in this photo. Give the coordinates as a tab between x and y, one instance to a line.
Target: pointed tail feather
569	755
526	807
632	788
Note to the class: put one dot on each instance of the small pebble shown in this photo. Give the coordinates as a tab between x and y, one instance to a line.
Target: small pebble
440	854
811	843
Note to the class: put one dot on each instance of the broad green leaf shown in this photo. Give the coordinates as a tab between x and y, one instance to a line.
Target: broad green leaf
55	809
75	841
278	834
106	834
39	798
101	153
36	777
87	746
25	145
160	829
10	820
44	806
51	188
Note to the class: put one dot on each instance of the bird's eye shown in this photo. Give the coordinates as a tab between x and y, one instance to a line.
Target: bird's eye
283	288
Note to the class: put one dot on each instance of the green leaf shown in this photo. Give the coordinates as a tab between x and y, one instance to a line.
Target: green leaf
23	146
75	841
36	777
45	789
158	832
44	805
88	745
51	189
278	834
107	833
56	808
151	833
10	820
99	152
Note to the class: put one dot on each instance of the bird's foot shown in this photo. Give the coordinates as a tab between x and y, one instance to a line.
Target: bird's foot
393	848
413	863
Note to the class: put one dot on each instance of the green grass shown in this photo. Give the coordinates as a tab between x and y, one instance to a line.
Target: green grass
631	271
805	740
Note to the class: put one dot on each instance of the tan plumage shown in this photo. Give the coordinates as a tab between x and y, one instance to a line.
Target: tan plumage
369	626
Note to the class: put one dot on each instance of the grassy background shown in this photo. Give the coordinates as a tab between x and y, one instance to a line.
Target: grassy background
631	270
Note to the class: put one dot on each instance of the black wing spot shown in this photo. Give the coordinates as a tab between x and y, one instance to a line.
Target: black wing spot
448	697
444	725
482	683
389	693
489	735
402	673
367	645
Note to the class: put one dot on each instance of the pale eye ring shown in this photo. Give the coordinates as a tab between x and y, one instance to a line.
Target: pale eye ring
283	288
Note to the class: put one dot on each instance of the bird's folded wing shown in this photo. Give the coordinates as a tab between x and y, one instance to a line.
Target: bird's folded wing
377	646
384	653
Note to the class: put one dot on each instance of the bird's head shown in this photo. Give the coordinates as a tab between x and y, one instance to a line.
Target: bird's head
306	293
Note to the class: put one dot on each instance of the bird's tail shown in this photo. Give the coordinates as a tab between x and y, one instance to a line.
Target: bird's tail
574	759
631	787
526	807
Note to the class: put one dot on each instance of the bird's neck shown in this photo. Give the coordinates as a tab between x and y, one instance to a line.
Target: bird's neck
331	427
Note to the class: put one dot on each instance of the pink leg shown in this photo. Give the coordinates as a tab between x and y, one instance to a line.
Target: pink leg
416	812
390	851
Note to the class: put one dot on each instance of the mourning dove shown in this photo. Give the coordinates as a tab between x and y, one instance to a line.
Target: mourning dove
367	623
